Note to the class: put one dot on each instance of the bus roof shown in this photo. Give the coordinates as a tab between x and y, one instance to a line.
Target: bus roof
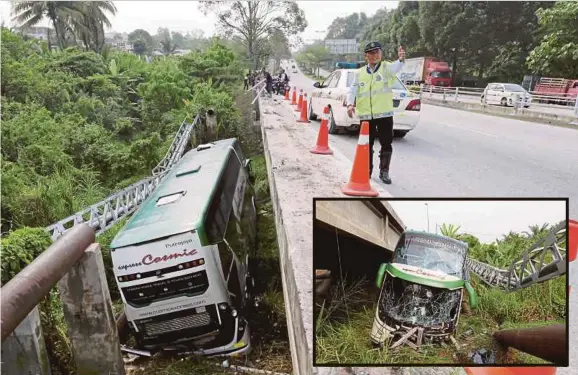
152	222
409	231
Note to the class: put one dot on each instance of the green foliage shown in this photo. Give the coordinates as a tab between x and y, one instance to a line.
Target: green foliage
20	248
76	125
489	40
557	53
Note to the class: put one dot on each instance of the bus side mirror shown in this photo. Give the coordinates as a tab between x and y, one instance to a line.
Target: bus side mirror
380	275
472	294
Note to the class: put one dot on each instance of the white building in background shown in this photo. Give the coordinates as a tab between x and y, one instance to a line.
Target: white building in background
37	32
342	46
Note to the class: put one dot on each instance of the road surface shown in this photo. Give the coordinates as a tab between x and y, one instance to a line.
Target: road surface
455	153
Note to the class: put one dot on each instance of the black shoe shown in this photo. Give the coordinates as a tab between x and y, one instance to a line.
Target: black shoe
384	161
384	176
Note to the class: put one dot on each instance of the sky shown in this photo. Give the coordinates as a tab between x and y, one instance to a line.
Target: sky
486	220
182	16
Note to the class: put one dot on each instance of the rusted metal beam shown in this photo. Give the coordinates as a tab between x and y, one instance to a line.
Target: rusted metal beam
32	284
548	343
122	328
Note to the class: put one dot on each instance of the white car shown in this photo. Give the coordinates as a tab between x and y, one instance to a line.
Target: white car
504	94
333	93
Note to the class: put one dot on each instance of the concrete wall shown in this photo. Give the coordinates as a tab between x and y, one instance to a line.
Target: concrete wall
361	220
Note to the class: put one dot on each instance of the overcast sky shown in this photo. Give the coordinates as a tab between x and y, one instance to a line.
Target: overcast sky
185	15
487	220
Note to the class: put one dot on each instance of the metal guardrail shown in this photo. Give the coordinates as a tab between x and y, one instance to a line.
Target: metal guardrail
106	213
455	92
257	89
531	267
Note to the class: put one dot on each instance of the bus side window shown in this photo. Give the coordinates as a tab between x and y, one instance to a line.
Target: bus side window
236	243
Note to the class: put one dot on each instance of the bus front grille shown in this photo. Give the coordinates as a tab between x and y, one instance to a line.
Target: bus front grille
185	322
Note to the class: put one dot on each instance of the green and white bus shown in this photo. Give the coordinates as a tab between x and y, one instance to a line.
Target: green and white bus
422	287
181	262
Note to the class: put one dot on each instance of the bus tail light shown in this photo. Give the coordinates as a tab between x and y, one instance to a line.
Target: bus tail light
414	105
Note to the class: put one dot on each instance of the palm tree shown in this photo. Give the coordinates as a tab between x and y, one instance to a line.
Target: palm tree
90	29
60	14
449	230
82	20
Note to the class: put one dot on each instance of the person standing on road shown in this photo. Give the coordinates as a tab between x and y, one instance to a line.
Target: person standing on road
372	93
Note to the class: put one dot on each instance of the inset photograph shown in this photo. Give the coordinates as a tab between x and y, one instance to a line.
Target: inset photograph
449	282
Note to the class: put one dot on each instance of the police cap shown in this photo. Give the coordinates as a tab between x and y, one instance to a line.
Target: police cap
372	46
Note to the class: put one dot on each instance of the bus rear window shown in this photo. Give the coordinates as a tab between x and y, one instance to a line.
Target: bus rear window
190	285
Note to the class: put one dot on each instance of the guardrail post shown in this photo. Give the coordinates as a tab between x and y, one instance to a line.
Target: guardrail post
444	94
430	90
88	314
576	106
24	351
456	94
516	105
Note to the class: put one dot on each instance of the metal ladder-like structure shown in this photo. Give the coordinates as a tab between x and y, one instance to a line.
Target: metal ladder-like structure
545	260
104	214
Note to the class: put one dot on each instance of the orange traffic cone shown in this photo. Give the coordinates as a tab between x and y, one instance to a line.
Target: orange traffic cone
304	110
287	93
322	146
358	184
298	108
294	99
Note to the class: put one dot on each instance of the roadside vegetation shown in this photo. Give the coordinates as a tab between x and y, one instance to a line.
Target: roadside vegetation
344	323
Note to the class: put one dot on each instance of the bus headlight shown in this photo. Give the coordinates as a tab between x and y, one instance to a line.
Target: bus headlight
234	313
223	306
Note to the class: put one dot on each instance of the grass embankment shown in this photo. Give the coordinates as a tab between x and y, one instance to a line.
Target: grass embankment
344	325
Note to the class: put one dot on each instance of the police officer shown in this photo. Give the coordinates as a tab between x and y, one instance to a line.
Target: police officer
371	91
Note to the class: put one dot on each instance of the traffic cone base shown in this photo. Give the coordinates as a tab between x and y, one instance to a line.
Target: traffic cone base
359	185
321	150
359	190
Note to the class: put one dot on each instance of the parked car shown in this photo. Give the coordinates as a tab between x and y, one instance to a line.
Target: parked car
333	93
504	94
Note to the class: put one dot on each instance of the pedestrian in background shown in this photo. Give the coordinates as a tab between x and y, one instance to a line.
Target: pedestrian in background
372	93
246	87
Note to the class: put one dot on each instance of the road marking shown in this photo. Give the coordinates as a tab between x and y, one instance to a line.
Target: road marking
472	130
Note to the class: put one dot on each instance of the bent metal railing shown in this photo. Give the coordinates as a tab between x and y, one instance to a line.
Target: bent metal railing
104	214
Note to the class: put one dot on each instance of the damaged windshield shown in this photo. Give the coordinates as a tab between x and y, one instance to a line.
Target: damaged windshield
432	253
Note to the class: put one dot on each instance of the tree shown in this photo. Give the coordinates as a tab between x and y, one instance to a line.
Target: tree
141	40
255	21
60	14
349	27
557	53
449	230
79	20
313	56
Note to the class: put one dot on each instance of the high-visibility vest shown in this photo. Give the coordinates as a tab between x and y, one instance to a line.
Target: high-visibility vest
374	98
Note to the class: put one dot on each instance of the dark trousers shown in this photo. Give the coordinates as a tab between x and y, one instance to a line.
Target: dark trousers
382	129
246	87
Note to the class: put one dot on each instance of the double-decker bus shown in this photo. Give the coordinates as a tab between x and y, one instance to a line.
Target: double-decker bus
181	261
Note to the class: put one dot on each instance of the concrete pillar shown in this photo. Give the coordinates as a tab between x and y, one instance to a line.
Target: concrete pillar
24	351
88	314
211	123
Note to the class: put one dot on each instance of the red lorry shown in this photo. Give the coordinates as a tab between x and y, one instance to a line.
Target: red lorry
566	88
428	70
